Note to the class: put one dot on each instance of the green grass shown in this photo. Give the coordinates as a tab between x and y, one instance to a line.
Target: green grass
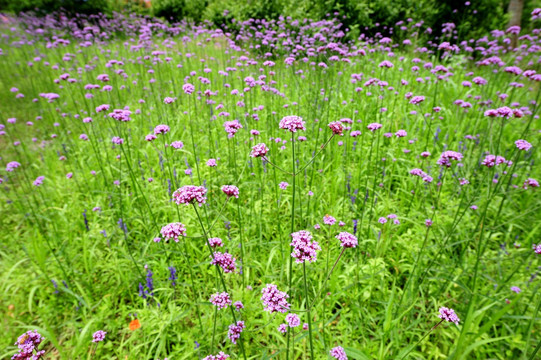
383	295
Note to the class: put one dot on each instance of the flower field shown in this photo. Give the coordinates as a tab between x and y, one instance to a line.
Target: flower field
273	191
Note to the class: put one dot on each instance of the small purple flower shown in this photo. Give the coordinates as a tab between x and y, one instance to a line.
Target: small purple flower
516	289
347	240
448	315
338	353
293	320
304	249
98	336
220	300
274	300
283	185
523	145
292	123
259	150
173	231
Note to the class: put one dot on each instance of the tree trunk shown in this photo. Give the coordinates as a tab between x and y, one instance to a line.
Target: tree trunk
515	10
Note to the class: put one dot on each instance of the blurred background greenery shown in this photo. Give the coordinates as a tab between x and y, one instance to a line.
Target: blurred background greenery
473	18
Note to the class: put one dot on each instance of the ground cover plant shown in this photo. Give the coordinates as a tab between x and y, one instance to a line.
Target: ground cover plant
278	192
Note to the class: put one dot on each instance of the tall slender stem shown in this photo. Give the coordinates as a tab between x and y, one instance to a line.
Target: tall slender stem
309	314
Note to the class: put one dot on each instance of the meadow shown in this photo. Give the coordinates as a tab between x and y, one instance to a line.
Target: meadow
274	191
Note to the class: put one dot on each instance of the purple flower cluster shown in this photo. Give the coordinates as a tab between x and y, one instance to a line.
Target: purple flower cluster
215	242
231	127
448	315
293	320
12	165
173	231
504	112
347	240
220	300
161	129
189	194
338	353
304	249
259	150
234	331
493	160
292	123
120	115
523	145
447	156
231	190
28	346
220	356
337	128
98	336
224	260
274	300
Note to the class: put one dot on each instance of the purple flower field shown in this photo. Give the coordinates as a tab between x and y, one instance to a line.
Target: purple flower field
274	191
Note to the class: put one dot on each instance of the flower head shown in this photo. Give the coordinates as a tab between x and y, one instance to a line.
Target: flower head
173	231
304	249
523	145
98	336
347	240
293	320
259	150
448	315
292	123
447	156
274	300
337	128
224	260
235	331
338	353
220	300
231	190
189	194
220	356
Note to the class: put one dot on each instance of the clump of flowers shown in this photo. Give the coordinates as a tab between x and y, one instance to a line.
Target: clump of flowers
293	320
220	300
235	331
231	190
347	240
329	220
161	129
338	353
374	126
292	123
231	127
493	160
215	242
224	260
220	356
39	180
274	300
523	145
259	150
28	346
529	182
337	128
189	194
12	165
447	156
121	115
304	249
448	315
173	231
98	336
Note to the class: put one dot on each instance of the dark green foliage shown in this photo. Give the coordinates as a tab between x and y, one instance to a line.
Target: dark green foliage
48	6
